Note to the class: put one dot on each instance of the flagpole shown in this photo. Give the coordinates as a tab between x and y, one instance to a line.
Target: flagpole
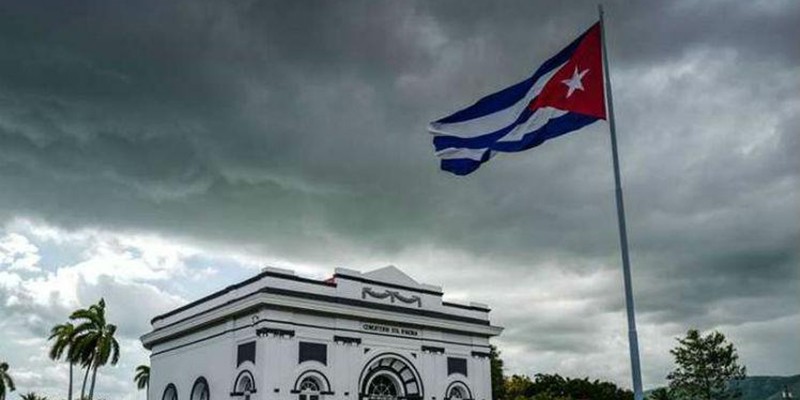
633	337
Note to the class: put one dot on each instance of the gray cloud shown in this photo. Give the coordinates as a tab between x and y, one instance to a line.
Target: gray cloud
297	131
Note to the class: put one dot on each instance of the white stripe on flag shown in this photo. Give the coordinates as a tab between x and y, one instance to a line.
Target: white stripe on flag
496	121
539	118
455	153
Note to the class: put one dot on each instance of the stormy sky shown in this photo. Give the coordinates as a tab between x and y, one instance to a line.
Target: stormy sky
152	152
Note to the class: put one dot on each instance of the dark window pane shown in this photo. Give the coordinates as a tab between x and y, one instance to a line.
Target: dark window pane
456	366
313	352
246	352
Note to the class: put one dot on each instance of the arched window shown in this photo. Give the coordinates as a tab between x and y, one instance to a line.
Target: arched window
311	385
170	393
309	389
390	376
382	387
456	393
200	390
245	385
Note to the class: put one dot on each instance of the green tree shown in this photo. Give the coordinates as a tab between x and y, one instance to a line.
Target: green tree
6	383
62	336
706	367
80	354
518	387
555	387
596	390
498	379
548	396
659	394
94	340
142	377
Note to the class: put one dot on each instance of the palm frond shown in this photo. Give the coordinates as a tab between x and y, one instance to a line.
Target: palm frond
115	351
142	377
6	383
62	336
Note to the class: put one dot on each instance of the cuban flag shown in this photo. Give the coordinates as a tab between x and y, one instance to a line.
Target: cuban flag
563	95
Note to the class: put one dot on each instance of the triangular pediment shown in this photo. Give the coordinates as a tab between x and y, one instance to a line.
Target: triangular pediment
391	274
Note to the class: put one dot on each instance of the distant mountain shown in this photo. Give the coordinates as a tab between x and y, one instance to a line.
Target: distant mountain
766	387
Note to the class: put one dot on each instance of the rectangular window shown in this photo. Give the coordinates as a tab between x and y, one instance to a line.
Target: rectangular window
456	366
246	352
313	352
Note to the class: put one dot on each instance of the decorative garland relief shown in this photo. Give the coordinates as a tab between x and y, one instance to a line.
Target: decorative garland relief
393	295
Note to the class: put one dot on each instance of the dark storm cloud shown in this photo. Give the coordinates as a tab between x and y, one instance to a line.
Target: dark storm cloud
298	129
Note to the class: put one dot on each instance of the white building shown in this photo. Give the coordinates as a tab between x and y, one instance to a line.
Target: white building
277	336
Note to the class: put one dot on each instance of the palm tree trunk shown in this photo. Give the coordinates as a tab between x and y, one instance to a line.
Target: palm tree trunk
91	389
83	387
69	394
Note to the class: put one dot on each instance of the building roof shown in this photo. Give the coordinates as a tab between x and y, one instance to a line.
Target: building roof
383	294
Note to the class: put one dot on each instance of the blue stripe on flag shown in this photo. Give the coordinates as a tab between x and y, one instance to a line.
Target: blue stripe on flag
463	166
509	96
442	142
554	128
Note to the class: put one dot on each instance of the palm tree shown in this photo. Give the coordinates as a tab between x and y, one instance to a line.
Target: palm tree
80	351
62	336
6	383
94	341
77	354
142	377
32	396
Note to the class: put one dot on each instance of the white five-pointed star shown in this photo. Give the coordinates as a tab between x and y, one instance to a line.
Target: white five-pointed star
575	82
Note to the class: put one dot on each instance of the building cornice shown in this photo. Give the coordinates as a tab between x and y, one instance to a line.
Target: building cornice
319	304
264	274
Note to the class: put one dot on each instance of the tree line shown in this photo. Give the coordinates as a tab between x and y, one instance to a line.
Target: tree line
706	368
86	341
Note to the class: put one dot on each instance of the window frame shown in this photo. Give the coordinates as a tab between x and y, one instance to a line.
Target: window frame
166	390
198	382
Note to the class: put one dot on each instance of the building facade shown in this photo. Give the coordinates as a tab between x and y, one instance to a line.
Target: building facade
378	335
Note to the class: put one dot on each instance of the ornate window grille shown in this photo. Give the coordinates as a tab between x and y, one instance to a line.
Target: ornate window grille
382	388
309	389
